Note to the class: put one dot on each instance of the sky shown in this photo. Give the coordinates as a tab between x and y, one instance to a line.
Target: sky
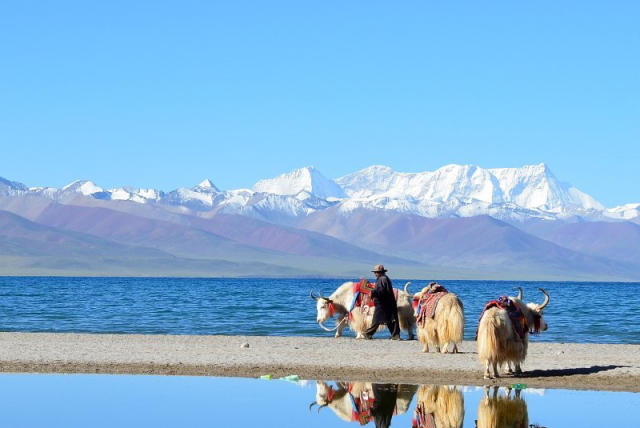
164	94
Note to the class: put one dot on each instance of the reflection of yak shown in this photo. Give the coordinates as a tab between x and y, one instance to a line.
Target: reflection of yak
498	411
439	406
364	401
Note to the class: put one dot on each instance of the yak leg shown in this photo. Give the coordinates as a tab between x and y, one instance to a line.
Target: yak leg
509	369
487	375
455	348
445	348
518	369
495	369
341	327
425	348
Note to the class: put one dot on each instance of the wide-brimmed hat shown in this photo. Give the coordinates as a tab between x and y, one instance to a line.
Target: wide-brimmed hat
379	268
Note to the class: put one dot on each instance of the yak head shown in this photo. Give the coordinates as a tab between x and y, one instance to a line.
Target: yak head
534	312
323	307
326	394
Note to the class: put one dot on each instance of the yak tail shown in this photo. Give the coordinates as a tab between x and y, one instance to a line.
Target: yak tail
452	330
406	287
488	339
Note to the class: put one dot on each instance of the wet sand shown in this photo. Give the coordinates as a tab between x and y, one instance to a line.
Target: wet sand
549	365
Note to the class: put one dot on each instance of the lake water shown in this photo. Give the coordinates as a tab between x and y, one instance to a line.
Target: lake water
29	400
578	312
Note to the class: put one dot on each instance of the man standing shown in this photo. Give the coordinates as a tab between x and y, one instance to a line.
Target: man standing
386	309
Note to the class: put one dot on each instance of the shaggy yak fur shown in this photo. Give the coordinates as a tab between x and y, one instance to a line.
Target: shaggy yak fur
360	318
498	342
446	327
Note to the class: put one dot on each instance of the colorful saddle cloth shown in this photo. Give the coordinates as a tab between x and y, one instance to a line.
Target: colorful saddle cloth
426	302
422	419
362	294
518	320
361	406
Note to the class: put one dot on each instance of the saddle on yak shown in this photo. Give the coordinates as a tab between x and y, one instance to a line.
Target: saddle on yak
361	407
425	303
518	320
422	419
362	295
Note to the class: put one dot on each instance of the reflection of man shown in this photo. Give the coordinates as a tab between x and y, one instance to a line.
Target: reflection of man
384	404
386	307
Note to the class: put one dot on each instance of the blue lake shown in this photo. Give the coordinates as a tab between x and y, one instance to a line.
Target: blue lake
578	312
30	400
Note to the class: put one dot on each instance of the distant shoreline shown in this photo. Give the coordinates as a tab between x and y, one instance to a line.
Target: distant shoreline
307	277
549	365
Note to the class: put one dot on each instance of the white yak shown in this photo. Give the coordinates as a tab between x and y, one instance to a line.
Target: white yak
338	303
498	341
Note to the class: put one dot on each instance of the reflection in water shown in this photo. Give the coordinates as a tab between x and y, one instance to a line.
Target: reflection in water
74	401
439	406
364	402
498	411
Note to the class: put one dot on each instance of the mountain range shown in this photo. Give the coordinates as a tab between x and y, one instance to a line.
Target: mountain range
459	221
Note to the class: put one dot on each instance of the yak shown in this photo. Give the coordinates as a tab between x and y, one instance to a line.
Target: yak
447	325
502	338
338	303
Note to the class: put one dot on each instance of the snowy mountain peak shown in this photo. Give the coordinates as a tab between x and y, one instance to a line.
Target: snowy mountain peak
530	191
307	179
82	186
208	185
467	190
11	185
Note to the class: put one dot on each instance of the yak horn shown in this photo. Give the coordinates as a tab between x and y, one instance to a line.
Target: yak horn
325	298
312	296
322	407
406	287
313	403
546	299
519	292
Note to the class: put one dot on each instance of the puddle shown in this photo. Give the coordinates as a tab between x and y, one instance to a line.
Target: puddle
31	400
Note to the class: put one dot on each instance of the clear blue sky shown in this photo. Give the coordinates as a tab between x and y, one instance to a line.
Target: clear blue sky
164	94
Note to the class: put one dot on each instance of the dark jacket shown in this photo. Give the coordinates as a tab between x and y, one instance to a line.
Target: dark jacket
384	300
385	396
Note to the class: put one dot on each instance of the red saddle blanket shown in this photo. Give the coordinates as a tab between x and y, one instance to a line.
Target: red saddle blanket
518	320
362	294
422	419
428	303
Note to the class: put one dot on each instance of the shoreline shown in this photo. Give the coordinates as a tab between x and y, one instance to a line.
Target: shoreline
607	367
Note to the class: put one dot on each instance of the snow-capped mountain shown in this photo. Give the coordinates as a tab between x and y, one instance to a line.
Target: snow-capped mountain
466	190
624	212
307	180
8	188
517	194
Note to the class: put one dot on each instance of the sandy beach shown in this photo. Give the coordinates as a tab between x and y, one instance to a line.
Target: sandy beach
549	365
